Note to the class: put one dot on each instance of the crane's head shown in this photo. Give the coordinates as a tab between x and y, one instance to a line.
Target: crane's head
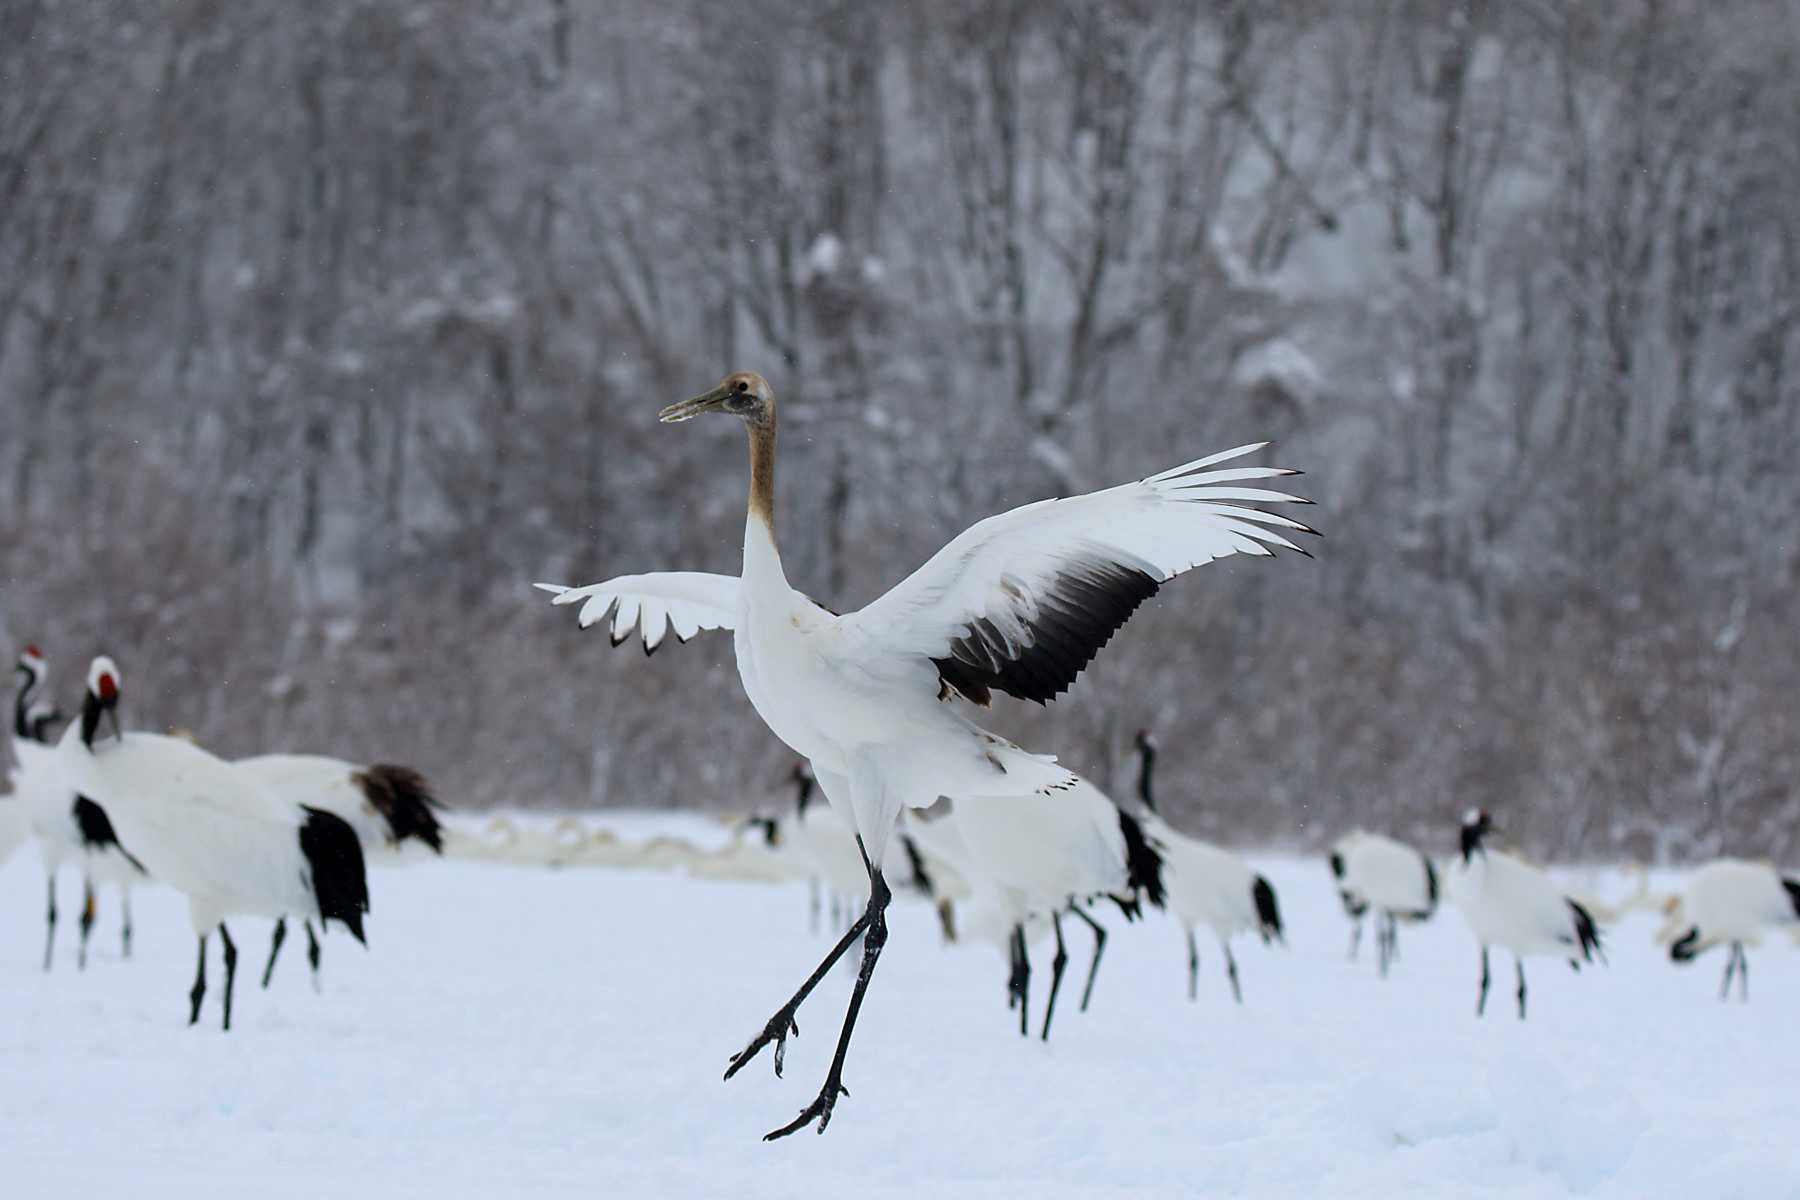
745	394
1476	824
102	697
31	662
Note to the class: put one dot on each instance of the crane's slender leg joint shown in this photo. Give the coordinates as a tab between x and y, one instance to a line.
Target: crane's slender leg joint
275	941
50	918
1018	985
1231	970
312	954
1056	973
198	991
88	908
1194	967
230	970
1087	993
125	929
1519	964
1481	1004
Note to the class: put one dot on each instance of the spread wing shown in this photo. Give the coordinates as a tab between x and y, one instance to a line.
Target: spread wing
684	601
1022	601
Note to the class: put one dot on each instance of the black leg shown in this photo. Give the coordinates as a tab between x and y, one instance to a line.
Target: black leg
125	929
1355	936
199	988
87	922
1519	965
1231	970
1194	967
275	940
1481	1004
50	915
1730	966
1087	993
1743	974
312	954
873	941
230	970
1018	985
1056	973
813	884
783	1021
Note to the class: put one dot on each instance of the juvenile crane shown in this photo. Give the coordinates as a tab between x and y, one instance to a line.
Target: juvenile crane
1018	603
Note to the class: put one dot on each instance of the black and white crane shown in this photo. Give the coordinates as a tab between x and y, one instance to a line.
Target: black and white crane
1394	880
215	833
1018	603
1731	902
1509	903
391	808
1206	884
68	828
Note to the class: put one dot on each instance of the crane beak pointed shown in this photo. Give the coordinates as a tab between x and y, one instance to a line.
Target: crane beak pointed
113	715
693	408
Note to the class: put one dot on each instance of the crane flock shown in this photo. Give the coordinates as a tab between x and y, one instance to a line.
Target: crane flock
880	705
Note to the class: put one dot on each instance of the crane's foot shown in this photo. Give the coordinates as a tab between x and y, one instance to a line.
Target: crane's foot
819	1109
777	1030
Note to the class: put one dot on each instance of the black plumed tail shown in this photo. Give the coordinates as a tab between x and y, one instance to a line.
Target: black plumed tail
1143	865
97	830
1337	865
1793	891
340	882
1684	950
1268	914
404	799
920	873
1586	934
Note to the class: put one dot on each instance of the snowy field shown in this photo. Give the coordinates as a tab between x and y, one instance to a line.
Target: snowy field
525	1031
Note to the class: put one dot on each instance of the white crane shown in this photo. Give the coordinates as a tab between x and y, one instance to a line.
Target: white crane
1374	871
389	806
1206	884
1507	902
68	828
213	832
1018	603
1731	902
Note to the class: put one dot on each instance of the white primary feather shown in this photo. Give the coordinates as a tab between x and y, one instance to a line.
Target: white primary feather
654	603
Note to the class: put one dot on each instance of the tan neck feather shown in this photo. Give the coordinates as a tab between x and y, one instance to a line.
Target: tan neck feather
762	469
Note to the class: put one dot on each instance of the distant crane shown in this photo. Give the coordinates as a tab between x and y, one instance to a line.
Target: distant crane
1731	902
1374	871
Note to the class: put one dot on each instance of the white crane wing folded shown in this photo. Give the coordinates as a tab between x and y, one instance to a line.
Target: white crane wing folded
654	604
1022	601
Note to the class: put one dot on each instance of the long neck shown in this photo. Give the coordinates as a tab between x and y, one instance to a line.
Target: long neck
761	557
1146	763
22	706
91	708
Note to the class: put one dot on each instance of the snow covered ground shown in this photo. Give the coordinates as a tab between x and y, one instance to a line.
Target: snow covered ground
521	1031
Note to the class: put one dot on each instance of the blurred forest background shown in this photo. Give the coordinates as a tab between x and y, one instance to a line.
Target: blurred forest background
327	328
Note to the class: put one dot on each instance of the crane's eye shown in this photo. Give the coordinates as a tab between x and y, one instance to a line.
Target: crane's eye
742	386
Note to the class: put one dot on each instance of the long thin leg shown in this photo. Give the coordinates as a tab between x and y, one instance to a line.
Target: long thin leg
1231	970
1730	966
1393	940
50	917
873	941
230	970
1481	1004
312	954
1519	965
275	940
125	929
1087	993
783	1021
1743	974
199	988
1018	984
87	922
1193	968
813	884
1355	935
1384	941
1056	973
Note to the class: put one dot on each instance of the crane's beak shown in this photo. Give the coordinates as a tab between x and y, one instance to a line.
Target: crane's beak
711	402
112	714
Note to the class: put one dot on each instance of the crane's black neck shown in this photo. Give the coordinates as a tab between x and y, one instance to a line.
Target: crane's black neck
22	706
1146	764
1471	840
92	709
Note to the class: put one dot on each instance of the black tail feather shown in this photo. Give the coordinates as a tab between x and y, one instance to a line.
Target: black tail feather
1793	891
97	830
1684	951
1337	864
1586	935
404	799
1268	914
339	880
1143	864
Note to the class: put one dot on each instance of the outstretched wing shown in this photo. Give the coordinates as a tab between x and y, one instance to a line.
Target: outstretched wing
654	604
1022	601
